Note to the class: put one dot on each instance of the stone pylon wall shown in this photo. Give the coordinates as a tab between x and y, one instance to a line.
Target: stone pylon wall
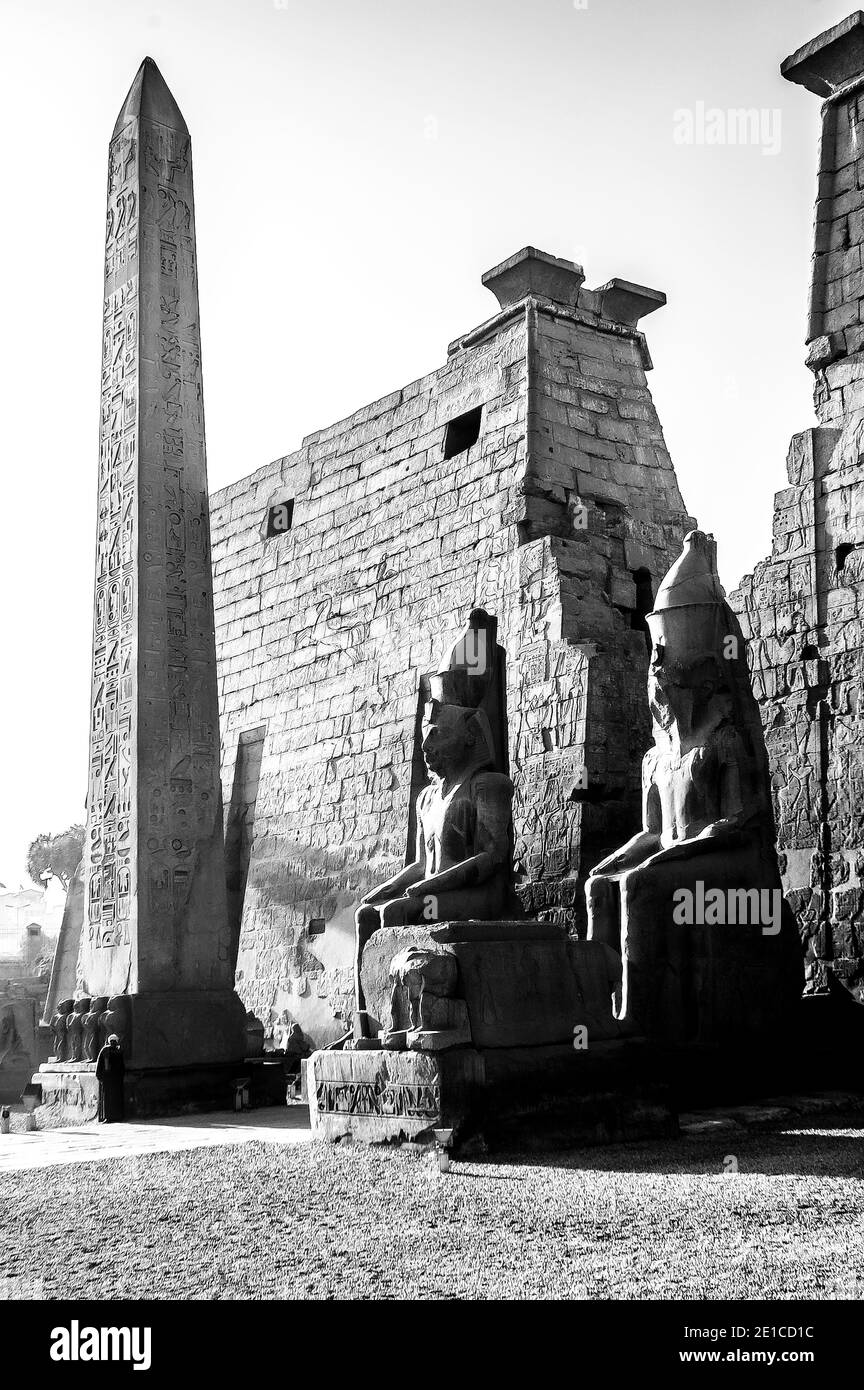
803	607
324	630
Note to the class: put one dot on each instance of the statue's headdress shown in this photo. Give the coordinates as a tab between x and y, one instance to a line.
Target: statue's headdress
691	617
465	674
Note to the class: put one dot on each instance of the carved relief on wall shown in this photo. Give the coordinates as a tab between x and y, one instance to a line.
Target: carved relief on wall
109	810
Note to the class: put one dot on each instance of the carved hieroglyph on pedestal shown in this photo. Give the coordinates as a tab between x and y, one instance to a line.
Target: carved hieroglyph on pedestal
155	921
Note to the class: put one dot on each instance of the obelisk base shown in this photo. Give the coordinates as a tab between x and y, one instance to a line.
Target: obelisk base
183	1028
70	1094
184	1051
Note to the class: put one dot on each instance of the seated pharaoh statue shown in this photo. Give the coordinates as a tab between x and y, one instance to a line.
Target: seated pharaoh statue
693	902
462	867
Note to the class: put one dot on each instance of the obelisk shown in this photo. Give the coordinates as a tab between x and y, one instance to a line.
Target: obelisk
155	936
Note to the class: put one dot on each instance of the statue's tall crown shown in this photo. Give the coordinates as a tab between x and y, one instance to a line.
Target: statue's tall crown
693	579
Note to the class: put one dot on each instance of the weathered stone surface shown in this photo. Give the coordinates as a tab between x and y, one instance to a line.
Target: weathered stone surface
525	990
562	514
382	1096
530	271
377	982
70	1095
524	983
831	59
549	1097
628	303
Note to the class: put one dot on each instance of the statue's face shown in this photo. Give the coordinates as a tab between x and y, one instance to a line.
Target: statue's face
661	688
679	694
447	739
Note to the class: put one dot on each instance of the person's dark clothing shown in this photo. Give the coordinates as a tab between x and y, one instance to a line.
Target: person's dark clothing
110	1070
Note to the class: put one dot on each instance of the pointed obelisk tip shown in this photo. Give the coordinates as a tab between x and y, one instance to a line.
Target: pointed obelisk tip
149	98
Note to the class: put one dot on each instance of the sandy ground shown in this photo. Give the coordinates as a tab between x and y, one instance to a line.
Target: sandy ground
268	1220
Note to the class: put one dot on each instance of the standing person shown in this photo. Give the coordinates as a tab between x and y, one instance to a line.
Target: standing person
110	1071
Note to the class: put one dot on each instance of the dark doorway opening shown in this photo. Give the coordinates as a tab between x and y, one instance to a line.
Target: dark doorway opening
644	603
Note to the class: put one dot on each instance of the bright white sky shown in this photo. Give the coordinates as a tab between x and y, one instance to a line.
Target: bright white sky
358	165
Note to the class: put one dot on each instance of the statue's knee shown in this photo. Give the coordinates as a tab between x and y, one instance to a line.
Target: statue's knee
638	886
604	911
393	914
601	894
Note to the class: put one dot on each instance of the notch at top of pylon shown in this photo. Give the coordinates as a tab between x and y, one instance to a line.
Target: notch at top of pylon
149	98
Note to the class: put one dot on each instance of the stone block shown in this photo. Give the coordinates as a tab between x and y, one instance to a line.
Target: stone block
70	1094
381	1096
627	303
833	58
201	1027
522	985
378	954
530	271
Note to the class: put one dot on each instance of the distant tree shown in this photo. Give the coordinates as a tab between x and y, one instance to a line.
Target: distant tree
42	965
56	854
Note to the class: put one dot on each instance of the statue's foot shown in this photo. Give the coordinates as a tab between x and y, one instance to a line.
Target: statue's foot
393	1039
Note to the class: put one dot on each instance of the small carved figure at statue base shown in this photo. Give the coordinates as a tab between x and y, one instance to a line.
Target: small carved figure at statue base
116	1020
58	1029
75	1030
92	1028
426	1015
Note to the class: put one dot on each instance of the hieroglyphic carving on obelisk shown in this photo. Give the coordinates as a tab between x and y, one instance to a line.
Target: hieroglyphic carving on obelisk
156	921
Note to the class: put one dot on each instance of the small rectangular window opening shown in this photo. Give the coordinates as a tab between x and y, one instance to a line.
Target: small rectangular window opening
279	518
462	432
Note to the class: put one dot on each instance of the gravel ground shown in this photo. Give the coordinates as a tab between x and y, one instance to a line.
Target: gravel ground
643	1221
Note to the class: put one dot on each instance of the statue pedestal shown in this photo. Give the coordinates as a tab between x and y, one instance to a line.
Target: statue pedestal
542	1051
525	983
70	1093
722	983
379	1096
514	1097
